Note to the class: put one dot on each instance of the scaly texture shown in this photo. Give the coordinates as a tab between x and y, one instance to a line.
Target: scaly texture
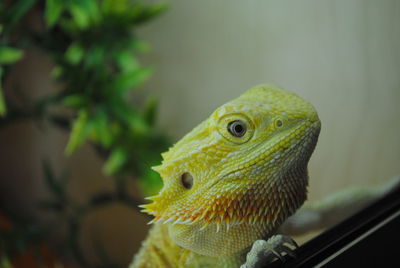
232	180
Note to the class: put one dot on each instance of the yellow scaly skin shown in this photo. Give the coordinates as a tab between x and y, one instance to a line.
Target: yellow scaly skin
224	187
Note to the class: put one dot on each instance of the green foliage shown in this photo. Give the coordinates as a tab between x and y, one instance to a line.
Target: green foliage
3	109
9	55
11	15
5	262
93	48
80	130
98	67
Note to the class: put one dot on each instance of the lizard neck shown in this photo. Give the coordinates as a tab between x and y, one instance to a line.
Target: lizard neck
280	198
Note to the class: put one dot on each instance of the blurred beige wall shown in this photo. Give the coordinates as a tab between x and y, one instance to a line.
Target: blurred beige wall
343	56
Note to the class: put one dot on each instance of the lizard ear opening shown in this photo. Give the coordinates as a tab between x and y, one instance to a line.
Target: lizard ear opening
187	180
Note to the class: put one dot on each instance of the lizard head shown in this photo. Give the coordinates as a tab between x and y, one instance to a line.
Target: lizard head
242	169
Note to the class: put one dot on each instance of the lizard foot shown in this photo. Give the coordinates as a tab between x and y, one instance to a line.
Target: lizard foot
264	252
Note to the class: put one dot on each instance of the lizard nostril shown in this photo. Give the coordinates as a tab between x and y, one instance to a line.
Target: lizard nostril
187	180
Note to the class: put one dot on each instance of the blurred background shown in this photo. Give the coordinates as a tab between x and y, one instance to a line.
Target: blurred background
84	116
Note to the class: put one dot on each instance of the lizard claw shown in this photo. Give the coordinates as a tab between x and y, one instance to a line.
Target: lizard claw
264	252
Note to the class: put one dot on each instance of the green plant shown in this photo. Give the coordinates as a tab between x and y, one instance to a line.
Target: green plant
93	47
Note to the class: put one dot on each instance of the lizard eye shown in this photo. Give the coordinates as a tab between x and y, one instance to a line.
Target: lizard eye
237	128
187	180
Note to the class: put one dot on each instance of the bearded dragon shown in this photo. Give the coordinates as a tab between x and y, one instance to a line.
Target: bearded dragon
231	182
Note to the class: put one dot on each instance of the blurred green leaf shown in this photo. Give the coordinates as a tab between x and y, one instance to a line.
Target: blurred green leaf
126	61
57	71
17	11
80	17
95	56
150	111
115	6
103	133
10	55
84	12
3	108
145	14
131	79
74	53
5	262
116	160
80	130
53	10
129	116
139	125
151	183
140	46
76	101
